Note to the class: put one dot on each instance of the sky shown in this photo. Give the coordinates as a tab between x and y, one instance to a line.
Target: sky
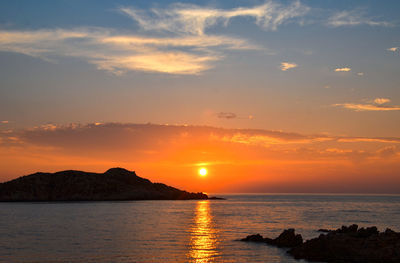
269	96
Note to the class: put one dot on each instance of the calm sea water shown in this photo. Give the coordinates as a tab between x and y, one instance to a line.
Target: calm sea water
179	231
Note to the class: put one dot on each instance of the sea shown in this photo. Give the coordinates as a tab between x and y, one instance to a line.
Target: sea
180	231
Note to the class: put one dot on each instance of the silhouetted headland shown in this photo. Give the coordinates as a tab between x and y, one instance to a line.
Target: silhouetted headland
344	245
115	184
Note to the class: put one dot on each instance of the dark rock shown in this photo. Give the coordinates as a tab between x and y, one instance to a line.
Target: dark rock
350	244
287	238
269	241
253	238
367	232
389	231
347	229
114	184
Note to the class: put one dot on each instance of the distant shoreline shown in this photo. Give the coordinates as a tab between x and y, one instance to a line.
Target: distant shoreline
314	194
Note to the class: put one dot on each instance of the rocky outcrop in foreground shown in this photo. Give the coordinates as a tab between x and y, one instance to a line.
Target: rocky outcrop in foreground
287	238
344	245
114	184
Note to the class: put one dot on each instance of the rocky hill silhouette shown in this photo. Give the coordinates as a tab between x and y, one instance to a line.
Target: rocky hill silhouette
115	184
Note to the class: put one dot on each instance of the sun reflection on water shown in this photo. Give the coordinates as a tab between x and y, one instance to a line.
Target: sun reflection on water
204	237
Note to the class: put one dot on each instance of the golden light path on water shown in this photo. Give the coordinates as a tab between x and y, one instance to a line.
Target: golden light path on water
204	237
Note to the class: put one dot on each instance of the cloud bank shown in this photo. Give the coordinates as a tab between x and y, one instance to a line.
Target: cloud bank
172	154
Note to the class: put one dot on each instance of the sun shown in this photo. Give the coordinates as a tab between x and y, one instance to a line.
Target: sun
203	171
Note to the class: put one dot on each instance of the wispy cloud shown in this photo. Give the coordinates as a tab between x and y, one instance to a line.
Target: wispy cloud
226	115
193	19
388	151
176	44
205	41
232	115
267	139
367	107
344	69
371	139
393	49
4	122
378	104
381	101
287	65
360	74
172	40
118	54
355	17
164	62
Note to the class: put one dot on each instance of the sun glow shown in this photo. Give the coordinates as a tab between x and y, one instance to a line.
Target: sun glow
203	171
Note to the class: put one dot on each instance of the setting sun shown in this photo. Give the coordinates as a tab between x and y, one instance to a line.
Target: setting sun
203	171
183	125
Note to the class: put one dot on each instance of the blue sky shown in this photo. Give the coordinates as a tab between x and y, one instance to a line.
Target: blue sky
272	64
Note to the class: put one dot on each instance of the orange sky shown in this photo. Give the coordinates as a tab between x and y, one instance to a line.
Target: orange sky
238	160
305	94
